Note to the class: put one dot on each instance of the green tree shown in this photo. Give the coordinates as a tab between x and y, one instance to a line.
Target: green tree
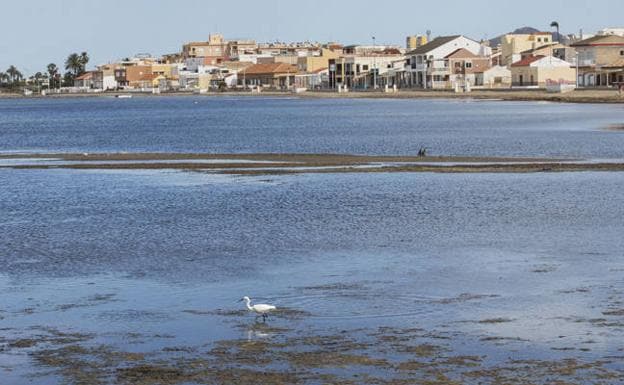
14	74
52	72
555	24
4	78
68	79
73	63
38	77
84	60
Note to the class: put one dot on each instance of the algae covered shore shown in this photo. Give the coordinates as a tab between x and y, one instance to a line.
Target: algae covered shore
301	347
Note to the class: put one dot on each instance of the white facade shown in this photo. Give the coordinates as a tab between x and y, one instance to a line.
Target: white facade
192	64
354	71
497	77
611	31
252	58
423	63
109	82
550	62
189	80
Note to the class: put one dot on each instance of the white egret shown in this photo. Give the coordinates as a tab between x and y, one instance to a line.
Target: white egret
260	309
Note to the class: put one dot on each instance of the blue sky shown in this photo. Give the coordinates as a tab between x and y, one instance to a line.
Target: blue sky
34	33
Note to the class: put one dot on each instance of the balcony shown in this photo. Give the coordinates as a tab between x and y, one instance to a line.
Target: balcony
586	62
418	67
439	70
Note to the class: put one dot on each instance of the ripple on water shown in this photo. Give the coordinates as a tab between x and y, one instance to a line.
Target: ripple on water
358	305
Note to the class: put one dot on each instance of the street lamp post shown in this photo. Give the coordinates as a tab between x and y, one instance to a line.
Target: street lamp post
577	70
374	66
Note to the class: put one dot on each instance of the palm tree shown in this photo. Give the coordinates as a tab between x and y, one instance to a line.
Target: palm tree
52	71
555	24
38	77
13	73
73	63
3	77
84	60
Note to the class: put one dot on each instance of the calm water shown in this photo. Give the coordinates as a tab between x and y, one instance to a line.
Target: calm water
235	125
355	250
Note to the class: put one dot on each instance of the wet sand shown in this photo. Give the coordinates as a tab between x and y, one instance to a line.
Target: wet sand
278	164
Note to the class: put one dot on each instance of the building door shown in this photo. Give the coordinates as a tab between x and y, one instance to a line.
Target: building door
521	80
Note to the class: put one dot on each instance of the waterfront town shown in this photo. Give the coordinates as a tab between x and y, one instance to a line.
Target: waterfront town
525	59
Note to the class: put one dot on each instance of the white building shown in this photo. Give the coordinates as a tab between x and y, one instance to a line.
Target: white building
497	77
424	63
610	31
363	72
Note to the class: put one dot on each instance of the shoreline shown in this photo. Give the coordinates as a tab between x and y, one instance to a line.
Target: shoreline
290	164
584	96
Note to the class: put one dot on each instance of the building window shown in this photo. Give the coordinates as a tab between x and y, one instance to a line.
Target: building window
365	67
539	39
622	53
468	64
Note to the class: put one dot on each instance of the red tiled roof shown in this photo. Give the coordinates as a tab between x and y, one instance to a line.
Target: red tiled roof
85	76
270	68
461	53
527	61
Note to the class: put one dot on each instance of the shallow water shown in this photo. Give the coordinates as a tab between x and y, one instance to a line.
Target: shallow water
502	265
161	251
251	125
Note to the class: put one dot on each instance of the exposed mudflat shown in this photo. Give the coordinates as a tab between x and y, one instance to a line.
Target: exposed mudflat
276	164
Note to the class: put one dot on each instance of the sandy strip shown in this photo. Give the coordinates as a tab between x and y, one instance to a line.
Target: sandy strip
577	96
276	164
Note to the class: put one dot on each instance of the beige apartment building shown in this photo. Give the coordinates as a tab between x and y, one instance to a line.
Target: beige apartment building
538	71
512	45
218	47
601	61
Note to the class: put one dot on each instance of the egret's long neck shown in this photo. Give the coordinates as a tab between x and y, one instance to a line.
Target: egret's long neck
248	303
